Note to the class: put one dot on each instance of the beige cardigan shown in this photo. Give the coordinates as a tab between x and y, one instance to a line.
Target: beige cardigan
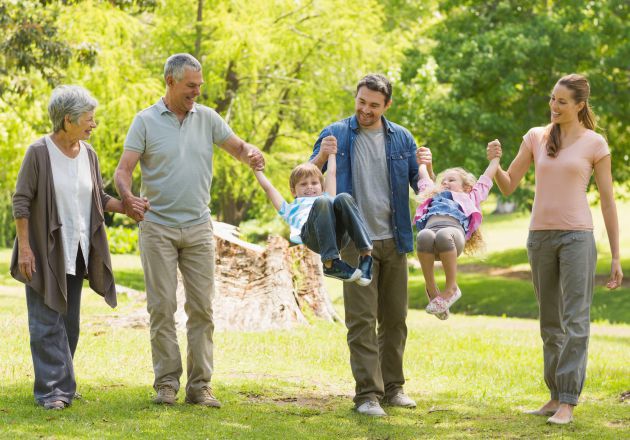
34	199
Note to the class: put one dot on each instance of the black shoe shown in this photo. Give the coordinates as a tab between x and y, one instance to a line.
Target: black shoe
365	266
342	271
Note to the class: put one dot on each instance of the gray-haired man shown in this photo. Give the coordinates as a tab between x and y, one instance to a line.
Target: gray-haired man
173	141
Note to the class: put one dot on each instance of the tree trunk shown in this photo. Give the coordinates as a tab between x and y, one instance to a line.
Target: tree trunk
256	288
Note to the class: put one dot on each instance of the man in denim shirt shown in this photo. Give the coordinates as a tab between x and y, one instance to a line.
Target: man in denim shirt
376	164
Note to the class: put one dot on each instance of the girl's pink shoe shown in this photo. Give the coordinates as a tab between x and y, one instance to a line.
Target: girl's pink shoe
441	316
441	305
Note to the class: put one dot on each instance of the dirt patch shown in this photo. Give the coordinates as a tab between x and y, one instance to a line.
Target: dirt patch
310	401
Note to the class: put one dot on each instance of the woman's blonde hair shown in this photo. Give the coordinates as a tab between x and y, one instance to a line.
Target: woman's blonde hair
475	243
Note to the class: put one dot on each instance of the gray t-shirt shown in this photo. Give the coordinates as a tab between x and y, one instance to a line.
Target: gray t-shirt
176	161
370	182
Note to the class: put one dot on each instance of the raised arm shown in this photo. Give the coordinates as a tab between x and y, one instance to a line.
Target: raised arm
272	193
246	153
330	181
603	179
494	164
507	181
325	146
424	158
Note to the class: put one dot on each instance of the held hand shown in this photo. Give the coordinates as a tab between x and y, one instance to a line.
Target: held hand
256	160
140	209
616	275
135	207
26	262
424	156
328	146
494	151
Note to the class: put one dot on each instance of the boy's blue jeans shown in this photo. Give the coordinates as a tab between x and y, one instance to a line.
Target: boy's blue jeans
332	222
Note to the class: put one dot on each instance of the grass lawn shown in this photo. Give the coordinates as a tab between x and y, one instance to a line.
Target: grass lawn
471	377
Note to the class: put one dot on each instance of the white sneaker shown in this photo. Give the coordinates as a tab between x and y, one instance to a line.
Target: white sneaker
371	408
400	399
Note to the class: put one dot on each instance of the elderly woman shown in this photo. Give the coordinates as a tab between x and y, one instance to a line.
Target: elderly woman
561	245
58	208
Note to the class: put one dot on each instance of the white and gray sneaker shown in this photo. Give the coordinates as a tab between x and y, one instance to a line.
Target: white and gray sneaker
371	408
399	399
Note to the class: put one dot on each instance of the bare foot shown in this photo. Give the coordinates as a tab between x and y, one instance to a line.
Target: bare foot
548	409
563	415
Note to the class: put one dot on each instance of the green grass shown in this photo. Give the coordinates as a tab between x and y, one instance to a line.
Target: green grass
471	377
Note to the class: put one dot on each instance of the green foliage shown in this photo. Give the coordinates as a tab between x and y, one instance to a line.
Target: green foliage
258	229
122	240
491	68
279	71
29	43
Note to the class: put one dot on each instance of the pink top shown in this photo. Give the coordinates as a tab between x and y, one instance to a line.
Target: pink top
468	202
560	201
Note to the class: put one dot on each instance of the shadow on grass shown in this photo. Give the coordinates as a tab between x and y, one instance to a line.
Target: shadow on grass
500	296
133	279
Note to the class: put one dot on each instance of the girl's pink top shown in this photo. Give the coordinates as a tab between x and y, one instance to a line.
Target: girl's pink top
560	201
470	203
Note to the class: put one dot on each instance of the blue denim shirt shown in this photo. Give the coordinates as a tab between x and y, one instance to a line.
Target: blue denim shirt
400	150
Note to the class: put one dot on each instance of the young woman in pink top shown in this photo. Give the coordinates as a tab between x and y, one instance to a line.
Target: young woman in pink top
447	221
561	246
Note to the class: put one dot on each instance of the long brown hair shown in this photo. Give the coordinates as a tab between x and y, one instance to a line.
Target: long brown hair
581	90
475	243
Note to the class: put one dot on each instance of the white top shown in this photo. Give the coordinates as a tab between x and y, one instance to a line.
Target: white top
73	193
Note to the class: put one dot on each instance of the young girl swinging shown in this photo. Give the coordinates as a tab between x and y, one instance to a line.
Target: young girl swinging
447	221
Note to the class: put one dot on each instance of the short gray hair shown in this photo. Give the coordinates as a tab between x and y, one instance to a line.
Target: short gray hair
69	100
176	64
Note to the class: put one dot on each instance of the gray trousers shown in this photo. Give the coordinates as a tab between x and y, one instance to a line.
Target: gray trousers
54	338
563	273
375	318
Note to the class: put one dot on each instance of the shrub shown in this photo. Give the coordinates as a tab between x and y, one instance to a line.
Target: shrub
122	240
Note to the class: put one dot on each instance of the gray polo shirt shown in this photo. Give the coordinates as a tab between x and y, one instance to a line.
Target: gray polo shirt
176	161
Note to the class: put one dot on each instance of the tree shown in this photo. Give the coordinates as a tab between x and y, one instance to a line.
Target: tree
276	71
494	64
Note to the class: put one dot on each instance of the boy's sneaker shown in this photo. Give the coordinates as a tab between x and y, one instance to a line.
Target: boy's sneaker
365	266
342	271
